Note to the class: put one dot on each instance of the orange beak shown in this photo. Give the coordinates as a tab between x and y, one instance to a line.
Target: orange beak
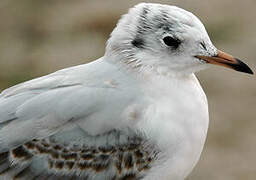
226	60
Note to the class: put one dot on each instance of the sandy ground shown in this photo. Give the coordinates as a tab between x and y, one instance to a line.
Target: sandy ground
39	37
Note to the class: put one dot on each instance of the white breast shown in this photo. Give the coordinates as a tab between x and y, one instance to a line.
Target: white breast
177	121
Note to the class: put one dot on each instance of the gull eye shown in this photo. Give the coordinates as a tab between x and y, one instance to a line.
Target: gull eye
171	42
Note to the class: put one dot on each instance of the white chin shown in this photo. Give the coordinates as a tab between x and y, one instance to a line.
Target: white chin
196	68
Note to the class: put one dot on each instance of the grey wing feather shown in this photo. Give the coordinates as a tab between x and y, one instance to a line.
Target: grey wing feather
14	96
38	108
43	106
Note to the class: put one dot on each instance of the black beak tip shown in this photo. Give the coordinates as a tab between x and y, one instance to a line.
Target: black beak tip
242	67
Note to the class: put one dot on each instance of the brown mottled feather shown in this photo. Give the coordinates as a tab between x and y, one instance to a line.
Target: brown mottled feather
64	161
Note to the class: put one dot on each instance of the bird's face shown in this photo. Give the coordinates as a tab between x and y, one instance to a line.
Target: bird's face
169	39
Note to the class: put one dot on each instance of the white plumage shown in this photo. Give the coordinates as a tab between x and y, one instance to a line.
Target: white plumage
137	112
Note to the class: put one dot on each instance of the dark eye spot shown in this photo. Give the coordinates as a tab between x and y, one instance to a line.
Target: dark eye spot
138	42
171	42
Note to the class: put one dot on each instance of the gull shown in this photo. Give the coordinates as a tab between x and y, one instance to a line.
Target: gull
138	112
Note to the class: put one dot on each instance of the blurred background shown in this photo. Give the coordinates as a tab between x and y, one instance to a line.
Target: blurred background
38	37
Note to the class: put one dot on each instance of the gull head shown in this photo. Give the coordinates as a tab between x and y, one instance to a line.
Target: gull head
167	39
